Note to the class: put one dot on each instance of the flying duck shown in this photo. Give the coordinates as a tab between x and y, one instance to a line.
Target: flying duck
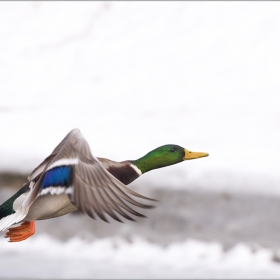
71	179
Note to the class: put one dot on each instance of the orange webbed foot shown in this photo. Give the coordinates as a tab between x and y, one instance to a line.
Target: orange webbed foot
22	232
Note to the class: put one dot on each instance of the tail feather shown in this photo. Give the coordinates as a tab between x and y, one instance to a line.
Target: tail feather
6	209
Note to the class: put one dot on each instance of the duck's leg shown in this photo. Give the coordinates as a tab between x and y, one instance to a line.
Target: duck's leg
21	232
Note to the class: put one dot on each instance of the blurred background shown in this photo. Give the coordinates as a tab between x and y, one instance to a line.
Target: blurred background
133	76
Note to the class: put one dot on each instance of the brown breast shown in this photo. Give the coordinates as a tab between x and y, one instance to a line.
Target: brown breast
121	170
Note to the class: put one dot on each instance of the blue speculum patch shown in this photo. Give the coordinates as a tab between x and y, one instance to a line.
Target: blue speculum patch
58	176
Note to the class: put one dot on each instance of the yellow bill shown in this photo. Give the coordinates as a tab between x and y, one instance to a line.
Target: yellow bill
193	155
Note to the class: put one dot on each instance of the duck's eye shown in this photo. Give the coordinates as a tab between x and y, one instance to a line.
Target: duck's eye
172	150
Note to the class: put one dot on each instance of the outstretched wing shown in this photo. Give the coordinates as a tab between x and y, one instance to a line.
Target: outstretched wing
94	190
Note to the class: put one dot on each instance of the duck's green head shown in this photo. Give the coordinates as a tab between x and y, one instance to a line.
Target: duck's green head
164	156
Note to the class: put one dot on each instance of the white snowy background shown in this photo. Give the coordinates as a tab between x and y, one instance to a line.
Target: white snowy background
134	76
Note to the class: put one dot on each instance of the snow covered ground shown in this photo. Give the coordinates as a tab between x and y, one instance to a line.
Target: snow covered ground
134	76
44	257
188	235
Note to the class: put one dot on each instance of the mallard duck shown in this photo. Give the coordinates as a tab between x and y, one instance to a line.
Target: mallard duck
71	179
